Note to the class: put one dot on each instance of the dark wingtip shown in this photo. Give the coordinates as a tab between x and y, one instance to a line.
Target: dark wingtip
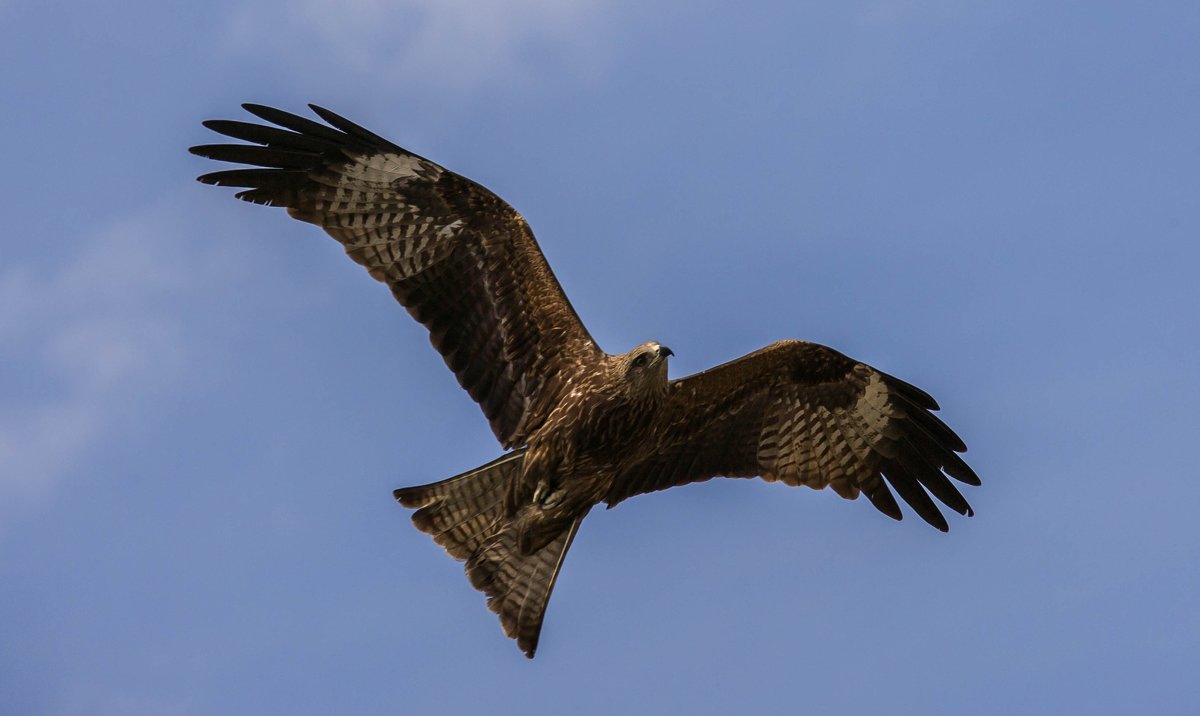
934	518
911	392
352	129
883	500
213	124
409	497
958	468
261	111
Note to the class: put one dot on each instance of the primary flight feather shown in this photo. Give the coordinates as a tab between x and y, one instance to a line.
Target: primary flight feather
584	426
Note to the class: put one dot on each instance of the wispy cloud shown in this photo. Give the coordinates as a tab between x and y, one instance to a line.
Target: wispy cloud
458	44
88	342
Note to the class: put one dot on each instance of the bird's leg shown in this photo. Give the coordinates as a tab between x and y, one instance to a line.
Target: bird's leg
541	491
547	493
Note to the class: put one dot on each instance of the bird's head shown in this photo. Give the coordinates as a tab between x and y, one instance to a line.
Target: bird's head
646	365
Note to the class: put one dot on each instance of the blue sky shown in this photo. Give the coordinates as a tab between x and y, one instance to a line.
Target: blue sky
204	405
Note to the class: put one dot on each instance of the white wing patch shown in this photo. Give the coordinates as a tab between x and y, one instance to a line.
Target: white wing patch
388	167
363	204
807	443
874	410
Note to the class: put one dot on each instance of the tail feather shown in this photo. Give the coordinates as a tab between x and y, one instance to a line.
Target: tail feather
463	511
519	585
466	515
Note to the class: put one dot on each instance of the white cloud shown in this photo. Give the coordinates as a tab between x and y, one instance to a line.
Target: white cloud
89	341
454	44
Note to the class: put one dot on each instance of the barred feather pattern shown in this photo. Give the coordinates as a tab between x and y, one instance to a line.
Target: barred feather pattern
460	259
463	511
585	426
519	585
466	515
804	414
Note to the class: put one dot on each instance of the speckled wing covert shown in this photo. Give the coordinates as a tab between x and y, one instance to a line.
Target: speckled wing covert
804	414
461	260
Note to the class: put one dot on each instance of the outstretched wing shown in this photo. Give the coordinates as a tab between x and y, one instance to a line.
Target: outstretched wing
461	260
805	414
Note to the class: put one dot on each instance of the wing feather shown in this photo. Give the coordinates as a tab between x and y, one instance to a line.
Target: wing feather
461	260
804	414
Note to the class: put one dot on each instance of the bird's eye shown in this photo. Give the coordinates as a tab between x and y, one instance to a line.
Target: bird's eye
641	361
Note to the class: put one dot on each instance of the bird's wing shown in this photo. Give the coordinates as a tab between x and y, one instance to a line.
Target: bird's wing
461	260
804	414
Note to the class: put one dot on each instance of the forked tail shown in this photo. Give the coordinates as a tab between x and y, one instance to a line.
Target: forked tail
466	515
519	585
463	511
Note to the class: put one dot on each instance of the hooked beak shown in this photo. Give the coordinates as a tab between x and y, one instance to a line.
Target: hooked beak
663	352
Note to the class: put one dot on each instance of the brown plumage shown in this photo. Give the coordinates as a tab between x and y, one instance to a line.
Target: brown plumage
585	426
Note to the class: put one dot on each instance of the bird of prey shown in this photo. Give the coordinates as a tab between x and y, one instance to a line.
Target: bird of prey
580	426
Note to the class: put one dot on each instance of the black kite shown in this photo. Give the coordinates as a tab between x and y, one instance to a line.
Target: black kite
583	426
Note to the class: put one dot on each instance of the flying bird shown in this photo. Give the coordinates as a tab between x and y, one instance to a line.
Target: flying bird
580	426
